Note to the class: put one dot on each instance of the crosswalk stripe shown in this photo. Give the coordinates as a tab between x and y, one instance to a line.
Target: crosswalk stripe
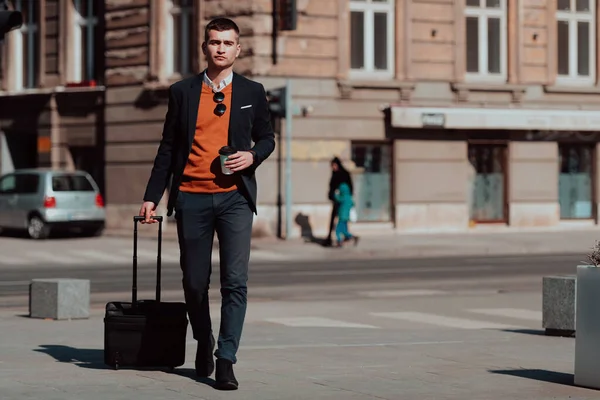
316	322
516	313
441	320
145	256
167	257
98	255
118	255
388	271
170	257
7	260
45	256
267	255
400	293
14	283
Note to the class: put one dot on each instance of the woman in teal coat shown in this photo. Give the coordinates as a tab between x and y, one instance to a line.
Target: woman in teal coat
345	203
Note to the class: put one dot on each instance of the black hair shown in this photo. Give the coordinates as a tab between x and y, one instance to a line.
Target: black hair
338	177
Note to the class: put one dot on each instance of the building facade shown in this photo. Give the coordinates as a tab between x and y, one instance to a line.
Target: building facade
450	114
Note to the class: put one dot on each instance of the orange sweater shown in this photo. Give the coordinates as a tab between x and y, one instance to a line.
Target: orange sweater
202	173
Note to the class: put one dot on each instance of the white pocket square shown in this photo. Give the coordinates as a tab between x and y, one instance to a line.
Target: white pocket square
248	106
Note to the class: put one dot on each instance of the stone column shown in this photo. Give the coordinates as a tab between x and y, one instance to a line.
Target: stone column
596	183
431	185
55	142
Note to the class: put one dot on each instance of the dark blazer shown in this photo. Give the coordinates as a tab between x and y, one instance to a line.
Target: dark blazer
249	129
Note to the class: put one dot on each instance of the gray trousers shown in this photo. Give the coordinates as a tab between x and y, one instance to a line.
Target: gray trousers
198	217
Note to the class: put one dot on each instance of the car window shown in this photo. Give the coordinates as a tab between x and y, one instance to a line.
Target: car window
27	183
8	184
71	183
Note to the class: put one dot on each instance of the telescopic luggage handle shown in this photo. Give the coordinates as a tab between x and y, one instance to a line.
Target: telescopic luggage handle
137	219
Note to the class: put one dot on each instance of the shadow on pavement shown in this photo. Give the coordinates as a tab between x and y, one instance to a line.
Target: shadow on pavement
85	358
306	231
542	332
536	332
94	359
539	375
191	374
320	241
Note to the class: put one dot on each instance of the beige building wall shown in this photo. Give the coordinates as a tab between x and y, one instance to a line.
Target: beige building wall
533	184
63	122
340	110
133	115
324	132
536	59
308	56
431	35
337	110
332	109
431	185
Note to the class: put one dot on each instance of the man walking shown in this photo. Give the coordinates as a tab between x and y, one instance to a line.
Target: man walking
214	109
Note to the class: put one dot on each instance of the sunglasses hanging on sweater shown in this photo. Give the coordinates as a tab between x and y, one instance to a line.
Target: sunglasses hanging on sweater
220	108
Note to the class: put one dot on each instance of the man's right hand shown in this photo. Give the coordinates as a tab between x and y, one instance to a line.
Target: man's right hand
148	211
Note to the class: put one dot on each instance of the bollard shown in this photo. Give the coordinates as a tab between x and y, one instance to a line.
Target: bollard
59	298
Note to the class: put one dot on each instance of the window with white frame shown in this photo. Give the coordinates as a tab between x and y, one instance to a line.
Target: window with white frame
372	37
179	30
25	47
485	23
83	36
575	41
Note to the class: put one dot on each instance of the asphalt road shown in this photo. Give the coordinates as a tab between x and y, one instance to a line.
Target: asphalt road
287	280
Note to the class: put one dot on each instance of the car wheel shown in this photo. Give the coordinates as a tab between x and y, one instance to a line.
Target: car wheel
37	228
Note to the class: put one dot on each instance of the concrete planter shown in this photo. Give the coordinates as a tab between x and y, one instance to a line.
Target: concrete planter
587	319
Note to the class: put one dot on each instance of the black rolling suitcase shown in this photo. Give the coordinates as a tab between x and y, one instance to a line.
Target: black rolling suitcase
145	333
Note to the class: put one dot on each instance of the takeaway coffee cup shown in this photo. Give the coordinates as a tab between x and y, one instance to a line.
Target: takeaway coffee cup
225	152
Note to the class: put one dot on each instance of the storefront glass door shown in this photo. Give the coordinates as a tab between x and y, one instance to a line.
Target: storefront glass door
487	201
575	189
372	181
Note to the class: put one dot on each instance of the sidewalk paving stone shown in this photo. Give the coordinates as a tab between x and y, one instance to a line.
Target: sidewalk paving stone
50	360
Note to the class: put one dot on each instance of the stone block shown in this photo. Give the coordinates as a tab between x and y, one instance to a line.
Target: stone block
59	298
558	308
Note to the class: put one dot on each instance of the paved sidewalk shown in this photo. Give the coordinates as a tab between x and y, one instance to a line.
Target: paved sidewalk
578	241
413	245
350	355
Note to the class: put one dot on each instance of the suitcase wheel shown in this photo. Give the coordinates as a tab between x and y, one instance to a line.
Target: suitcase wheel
117	359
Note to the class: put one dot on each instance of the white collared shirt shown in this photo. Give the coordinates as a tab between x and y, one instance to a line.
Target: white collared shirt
221	86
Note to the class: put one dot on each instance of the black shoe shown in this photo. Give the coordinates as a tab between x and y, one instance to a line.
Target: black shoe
224	377
205	364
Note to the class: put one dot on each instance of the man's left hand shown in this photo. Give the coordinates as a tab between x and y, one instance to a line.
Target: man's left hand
239	161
